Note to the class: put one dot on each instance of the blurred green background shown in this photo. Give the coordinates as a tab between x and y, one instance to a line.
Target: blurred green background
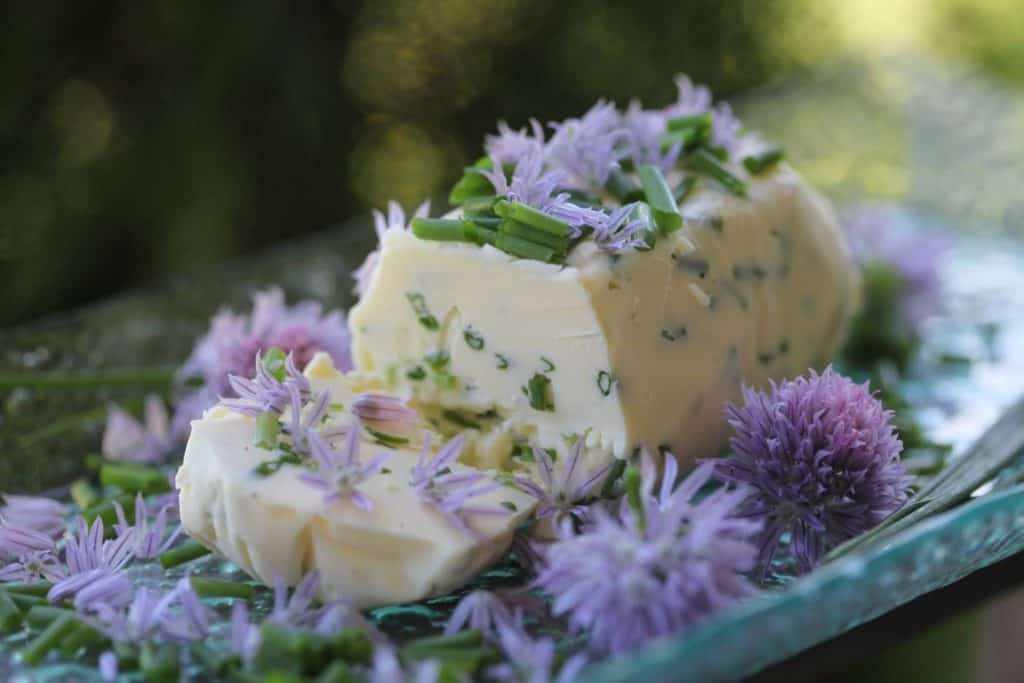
154	137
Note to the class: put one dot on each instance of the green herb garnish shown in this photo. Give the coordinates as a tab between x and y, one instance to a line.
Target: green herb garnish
663	205
473	339
502	361
423	314
538	390
438	229
437	359
455	417
387	440
274	362
704	162
416	373
605	380
548	365
757	164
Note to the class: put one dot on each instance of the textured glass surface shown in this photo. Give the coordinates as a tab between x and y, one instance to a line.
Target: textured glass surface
43	435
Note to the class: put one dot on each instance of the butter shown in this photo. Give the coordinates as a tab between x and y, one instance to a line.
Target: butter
401	550
636	350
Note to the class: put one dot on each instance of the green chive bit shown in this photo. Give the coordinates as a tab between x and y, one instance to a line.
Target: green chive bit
757	164
692	122
387	440
160	662
457	418
532	217
38	590
416	373
503	362
82	636
663	205
134	479
472	183
548	365
353	645
431	646
704	162
473	339
633	483
623	187
41	645
437	359
108	513
338	672
268	428
605	380
186	552
443	380
212	588
419	307
84	494
44	615
613	477
516	246
509	505
538	390
438	229
684	188
477	206
530	234
10	616
214	663
27	602
275	363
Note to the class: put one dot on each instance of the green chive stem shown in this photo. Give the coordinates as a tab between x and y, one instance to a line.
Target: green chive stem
41	645
42	616
517	246
186	552
275	362
532	217
108	513
438	229
633	483
10	616
268	429
134	478
81	636
663	205
684	188
212	588
38	589
623	187
704	162
764	160
27	602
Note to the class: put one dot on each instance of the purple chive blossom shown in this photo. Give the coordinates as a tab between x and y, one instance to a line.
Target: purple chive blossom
644	129
148	540
822	460
529	659
139	621
192	622
726	129
244	636
509	145
33	566
563	496
339	473
618	231
265	393
878	234
585	148
16	541
299	611
450	492
535	187
389	413
234	339
387	668
36	513
692	99
625	581
108	666
306	420
126	439
395	220
480	610
94	566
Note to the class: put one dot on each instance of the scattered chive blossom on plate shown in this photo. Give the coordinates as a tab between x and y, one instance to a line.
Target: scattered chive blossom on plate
652	571
149	541
821	461
531	659
38	513
125	439
564	496
479	610
95	566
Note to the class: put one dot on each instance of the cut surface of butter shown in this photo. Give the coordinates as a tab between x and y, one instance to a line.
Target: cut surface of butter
277	525
641	349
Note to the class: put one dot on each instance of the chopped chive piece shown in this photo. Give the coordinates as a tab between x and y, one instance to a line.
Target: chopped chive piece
268	428
523	452
472	183
443	380
10	616
27	602
663	205
38	590
387	440
535	235
479	205
419	307
650	237
684	188
438	229
605	380
82	636
623	187
160	662
692	122
548	365
633	483
417	373
437	359
133	478
108	513
704	162
267	467
44	615
186	552
538	390
488	222
455	417
479	234
509	505
473	339
417	649
274	362
502	361
220	589
41	645
516	246
532	217
614	474
757	164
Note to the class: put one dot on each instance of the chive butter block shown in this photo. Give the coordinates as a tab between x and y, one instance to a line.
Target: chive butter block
641	348
269	525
